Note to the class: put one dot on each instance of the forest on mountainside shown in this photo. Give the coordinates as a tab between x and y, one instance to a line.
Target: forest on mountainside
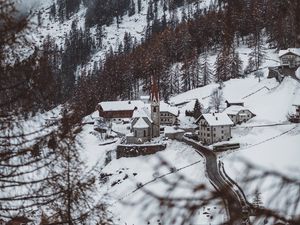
40	164
174	50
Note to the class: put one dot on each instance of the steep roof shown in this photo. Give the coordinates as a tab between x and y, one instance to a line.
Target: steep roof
141	123
234	100
234	109
154	90
295	51
164	107
217	119
142	112
121	105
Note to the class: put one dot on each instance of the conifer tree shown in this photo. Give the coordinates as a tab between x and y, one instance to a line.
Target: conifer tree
206	71
197	109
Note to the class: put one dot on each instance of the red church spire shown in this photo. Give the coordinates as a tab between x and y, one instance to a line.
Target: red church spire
154	90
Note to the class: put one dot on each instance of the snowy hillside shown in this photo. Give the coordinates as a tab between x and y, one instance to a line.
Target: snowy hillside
273	147
43	26
179	53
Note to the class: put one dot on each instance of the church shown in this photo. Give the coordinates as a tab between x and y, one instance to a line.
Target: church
144	127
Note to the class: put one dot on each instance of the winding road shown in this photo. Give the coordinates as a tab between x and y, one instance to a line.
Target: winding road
234	201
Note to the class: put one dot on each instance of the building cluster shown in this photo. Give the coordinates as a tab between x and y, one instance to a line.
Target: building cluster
146	115
216	127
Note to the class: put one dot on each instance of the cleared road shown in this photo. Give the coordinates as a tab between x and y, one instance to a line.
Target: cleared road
236	206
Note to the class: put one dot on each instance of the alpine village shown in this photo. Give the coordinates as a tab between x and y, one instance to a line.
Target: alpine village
149	112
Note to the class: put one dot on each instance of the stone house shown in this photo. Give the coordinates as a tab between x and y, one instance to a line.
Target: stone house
214	128
168	114
290	57
238	114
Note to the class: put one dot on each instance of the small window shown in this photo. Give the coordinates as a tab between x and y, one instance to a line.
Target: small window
208	129
214	135
214	129
208	135
144	133
222	131
221	126
154	109
222	137
135	133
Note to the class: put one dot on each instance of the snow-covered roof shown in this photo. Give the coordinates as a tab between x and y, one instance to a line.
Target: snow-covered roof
164	107
172	130
295	51
296	102
234	100
141	112
145	97
141	123
234	109
121	105
217	119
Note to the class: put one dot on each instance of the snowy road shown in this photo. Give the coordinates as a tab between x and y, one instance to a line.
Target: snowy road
232	200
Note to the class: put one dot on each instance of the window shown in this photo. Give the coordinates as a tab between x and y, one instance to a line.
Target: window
135	133
214	135
208	129
154	109
222	131
208	135
221	126
214	129
222	137
144	133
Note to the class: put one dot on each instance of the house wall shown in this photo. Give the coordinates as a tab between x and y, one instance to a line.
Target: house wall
290	60
115	115
212	134
233	118
242	116
167	118
140	135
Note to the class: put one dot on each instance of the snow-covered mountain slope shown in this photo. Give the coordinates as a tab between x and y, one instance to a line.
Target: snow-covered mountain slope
274	147
112	34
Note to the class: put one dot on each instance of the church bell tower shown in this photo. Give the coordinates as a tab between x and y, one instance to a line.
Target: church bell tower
155	111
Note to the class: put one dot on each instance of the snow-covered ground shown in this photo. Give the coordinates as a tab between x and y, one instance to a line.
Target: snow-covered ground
130	204
267	140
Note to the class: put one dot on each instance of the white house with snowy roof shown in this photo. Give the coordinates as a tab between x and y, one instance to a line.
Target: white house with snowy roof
238	114
290	57
214	127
